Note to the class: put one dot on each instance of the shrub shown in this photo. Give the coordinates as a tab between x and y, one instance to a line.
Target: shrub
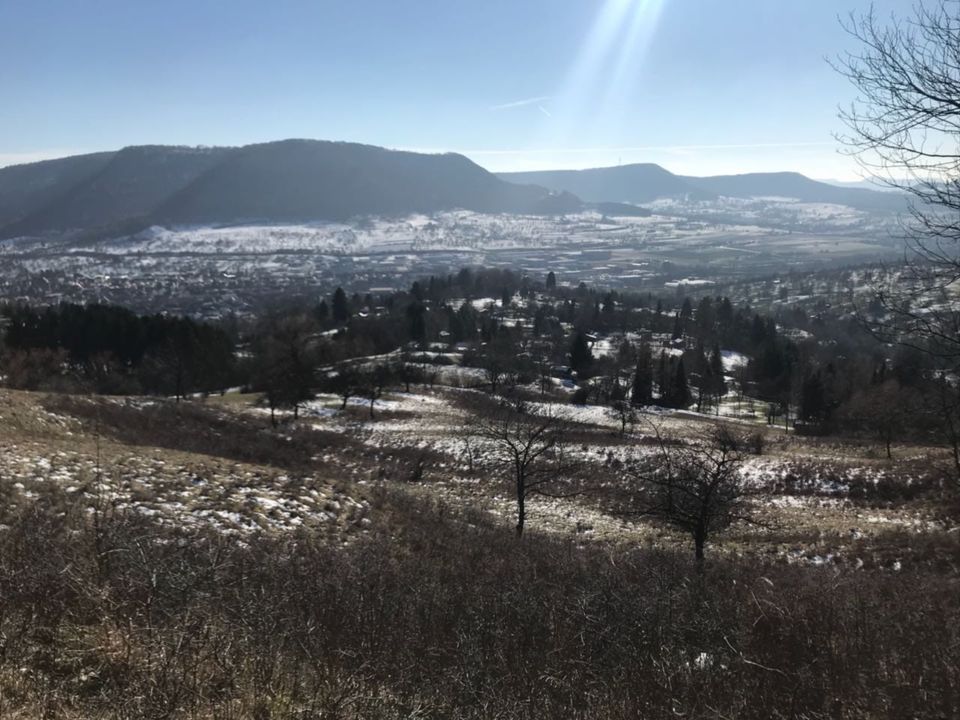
438	613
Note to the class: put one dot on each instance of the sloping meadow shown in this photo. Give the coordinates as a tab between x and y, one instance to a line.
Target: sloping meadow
441	614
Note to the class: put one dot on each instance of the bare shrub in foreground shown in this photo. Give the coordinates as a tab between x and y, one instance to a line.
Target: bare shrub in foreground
528	445
696	488
439	614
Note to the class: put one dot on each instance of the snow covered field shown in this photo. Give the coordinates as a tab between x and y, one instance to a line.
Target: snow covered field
213	270
825	500
809	493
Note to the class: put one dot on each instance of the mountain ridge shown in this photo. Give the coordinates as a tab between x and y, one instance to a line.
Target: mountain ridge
131	183
294	180
646	182
118	193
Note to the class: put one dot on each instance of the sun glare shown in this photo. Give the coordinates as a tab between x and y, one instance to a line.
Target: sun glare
606	69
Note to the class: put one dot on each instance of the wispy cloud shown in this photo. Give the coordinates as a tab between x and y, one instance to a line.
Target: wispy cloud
546	112
521	103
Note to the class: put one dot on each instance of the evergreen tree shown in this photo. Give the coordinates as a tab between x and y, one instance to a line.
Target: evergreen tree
677	328
725	319
323	312
551	281
609	304
642	393
540	321
704	375
416	315
758	331
706	317
663	380
341	309
467	316
581	358
718	386
813	403
679	390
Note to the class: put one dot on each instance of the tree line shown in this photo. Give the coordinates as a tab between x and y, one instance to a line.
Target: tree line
824	374
109	349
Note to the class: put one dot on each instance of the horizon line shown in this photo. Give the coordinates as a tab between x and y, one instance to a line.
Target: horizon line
28	157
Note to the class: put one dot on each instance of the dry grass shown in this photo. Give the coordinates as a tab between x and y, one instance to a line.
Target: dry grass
440	614
216	567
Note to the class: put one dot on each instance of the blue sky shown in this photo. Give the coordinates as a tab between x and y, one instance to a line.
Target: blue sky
700	86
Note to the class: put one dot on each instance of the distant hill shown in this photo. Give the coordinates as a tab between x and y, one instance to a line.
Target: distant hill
131	184
299	180
792	185
638	183
643	183
862	184
112	194
621	209
25	189
286	181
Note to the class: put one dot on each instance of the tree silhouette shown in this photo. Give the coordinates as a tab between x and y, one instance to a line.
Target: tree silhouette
642	391
529	447
581	358
341	308
904	129
696	488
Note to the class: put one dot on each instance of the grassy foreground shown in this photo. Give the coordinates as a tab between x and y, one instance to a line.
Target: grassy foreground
438	613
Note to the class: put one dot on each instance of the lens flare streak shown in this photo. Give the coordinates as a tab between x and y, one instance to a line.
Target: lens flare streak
605	70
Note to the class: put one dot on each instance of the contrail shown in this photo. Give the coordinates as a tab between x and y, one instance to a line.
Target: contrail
520	103
546	112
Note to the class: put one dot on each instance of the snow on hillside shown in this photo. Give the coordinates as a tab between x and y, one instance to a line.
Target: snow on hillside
733	361
448	230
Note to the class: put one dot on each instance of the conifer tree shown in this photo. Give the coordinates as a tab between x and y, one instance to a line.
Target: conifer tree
341	309
642	393
580	356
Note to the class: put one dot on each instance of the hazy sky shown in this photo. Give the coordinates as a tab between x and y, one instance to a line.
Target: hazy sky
700	86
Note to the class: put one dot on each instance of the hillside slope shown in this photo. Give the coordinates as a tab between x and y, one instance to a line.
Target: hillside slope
642	183
25	189
302	180
286	181
637	183
130	185
793	185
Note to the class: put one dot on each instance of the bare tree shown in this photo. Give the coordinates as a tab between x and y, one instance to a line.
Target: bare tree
542	352
942	398
345	381
886	411
696	488
285	363
904	130
406	371
497	363
372	383
530	447
625	413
